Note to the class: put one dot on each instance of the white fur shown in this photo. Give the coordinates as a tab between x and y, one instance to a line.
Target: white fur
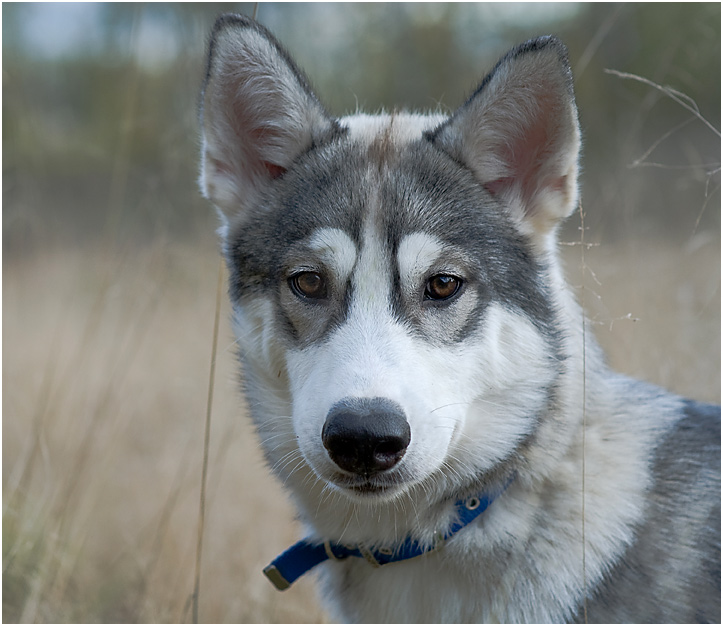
469	404
466	413
416	255
336	249
400	128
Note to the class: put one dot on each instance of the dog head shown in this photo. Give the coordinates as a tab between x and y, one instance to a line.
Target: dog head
390	275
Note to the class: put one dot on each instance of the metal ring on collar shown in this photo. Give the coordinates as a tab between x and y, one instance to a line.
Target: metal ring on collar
472	503
330	552
368	555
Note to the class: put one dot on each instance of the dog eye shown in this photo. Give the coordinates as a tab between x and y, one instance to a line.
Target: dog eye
308	285
442	287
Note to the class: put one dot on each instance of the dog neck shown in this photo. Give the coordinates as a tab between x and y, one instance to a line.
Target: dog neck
307	554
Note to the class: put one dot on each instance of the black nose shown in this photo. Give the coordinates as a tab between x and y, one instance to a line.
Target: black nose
366	435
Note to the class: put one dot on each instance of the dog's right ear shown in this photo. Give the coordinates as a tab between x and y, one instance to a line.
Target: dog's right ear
258	115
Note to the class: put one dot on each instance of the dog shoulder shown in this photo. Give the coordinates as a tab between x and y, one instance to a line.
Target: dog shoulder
672	568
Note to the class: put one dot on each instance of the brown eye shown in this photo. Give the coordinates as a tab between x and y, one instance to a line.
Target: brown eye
308	285
442	287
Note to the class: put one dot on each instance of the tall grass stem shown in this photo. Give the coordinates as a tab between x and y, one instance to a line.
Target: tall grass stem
206	438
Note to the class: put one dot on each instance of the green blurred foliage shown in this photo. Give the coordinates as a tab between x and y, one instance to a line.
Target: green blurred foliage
101	141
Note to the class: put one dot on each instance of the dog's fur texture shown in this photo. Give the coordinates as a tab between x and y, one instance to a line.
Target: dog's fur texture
400	270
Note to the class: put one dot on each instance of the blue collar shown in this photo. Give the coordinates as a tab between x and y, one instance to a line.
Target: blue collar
305	555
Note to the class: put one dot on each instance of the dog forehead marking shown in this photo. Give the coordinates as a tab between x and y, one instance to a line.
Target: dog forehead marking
336	248
372	276
416	254
400	128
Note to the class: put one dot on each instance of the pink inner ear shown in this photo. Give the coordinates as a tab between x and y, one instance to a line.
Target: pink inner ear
274	170
495	187
526	155
219	167
260	138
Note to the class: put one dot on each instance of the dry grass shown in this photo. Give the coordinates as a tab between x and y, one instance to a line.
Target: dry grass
105	372
656	309
106	361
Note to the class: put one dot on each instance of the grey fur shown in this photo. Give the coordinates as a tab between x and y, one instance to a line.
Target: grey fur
299	191
676	557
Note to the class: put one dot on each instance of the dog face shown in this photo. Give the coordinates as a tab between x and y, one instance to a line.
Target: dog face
390	274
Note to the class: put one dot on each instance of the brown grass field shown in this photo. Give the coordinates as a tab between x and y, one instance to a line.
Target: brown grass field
106	363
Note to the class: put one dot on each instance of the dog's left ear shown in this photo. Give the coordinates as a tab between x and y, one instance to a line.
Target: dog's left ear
520	136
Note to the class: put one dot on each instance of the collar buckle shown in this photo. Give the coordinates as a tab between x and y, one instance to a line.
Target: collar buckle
368	555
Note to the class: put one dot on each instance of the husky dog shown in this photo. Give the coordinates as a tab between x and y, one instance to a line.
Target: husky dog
419	372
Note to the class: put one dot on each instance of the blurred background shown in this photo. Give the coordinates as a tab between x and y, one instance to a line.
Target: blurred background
110	268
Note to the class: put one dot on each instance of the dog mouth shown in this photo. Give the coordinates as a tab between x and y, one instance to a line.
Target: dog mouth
368	486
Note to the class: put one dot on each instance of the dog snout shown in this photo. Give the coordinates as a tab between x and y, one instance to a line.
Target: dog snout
366	435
